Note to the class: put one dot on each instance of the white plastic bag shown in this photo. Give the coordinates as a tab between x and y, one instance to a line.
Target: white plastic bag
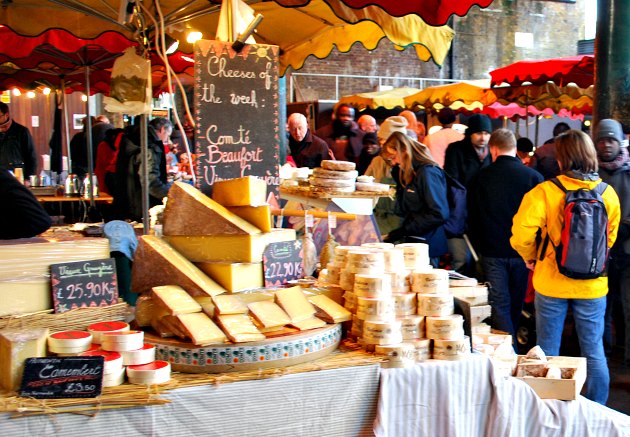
130	90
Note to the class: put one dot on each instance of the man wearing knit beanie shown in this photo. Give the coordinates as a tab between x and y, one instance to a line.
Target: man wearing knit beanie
462	161
614	169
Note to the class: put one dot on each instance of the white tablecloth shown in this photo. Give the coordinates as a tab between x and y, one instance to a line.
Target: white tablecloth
464	398
334	403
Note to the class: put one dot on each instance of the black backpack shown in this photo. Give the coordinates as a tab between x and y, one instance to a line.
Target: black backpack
583	249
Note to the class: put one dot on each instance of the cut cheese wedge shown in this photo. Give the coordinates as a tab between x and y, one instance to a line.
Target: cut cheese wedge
229	304
259	216
172	324
190	212
240	328
248	190
235	277
16	346
233	248
201	330
329	310
268	314
207	305
157	263
295	304
175	300
307	324
145	307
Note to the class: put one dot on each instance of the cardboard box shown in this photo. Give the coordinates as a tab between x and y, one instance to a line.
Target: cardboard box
562	389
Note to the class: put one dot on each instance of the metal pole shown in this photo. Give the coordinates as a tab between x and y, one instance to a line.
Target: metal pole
64	102
88	134
144	142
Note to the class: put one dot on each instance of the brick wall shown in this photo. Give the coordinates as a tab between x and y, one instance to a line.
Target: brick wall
484	40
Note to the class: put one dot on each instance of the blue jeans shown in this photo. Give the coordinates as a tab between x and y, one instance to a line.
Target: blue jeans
508	285
588	315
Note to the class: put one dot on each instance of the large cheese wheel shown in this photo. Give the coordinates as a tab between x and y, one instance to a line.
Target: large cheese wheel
332	183
334	174
338	165
372	187
69	341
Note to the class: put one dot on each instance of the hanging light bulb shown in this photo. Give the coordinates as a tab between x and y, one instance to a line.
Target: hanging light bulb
46	91
30	94
83	98
193	37
16	92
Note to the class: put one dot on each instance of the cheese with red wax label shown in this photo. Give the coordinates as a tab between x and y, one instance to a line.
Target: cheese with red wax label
115	378
156	372
97	329
113	360
69	340
136	357
122	341
190	212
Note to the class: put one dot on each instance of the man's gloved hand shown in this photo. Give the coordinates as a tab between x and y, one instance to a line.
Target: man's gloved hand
394	235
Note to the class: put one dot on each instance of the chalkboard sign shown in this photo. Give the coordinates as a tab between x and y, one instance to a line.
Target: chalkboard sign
84	284
283	262
62	377
236	113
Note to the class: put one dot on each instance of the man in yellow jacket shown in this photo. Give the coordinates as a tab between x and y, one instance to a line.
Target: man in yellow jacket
542	211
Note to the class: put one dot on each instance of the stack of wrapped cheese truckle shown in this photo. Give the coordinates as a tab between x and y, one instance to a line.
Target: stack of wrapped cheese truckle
202	287
401	306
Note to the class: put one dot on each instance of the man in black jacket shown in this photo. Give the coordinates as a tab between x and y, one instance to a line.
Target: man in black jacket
24	216
16	145
494	196
307	150
463	160
343	136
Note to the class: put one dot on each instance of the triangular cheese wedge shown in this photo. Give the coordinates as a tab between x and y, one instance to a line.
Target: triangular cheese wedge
201	329
240	328
175	300
329	310
307	324
259	216
229	304
248	190
157	263
268	314
295	304
190	212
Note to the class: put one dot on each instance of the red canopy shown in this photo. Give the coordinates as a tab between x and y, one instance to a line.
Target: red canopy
433	12
562	71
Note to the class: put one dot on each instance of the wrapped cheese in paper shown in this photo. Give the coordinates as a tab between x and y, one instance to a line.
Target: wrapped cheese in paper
130	90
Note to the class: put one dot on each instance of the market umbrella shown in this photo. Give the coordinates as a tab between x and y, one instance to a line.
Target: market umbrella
388	99
312	29
434	12
579	70
467	96
569	98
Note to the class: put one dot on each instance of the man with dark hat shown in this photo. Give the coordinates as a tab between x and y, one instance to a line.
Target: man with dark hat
462	161
614	169
437	142
371	149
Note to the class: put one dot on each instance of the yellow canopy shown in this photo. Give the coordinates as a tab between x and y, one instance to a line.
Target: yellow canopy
388	99
471	96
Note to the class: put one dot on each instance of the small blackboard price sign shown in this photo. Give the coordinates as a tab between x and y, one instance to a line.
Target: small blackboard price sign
283	262
62	377
84	284
237	113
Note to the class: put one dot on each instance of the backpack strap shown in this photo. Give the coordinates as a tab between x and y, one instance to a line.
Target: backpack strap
558	184
600	188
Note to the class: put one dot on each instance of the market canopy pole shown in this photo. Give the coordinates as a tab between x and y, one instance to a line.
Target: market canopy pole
612	61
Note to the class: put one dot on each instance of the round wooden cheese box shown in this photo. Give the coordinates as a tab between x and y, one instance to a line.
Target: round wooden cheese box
282	351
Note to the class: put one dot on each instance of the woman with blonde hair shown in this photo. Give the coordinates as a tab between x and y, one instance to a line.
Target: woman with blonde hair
542	211
420	194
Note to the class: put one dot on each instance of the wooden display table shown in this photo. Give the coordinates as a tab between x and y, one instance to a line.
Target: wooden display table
358	202
102	198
